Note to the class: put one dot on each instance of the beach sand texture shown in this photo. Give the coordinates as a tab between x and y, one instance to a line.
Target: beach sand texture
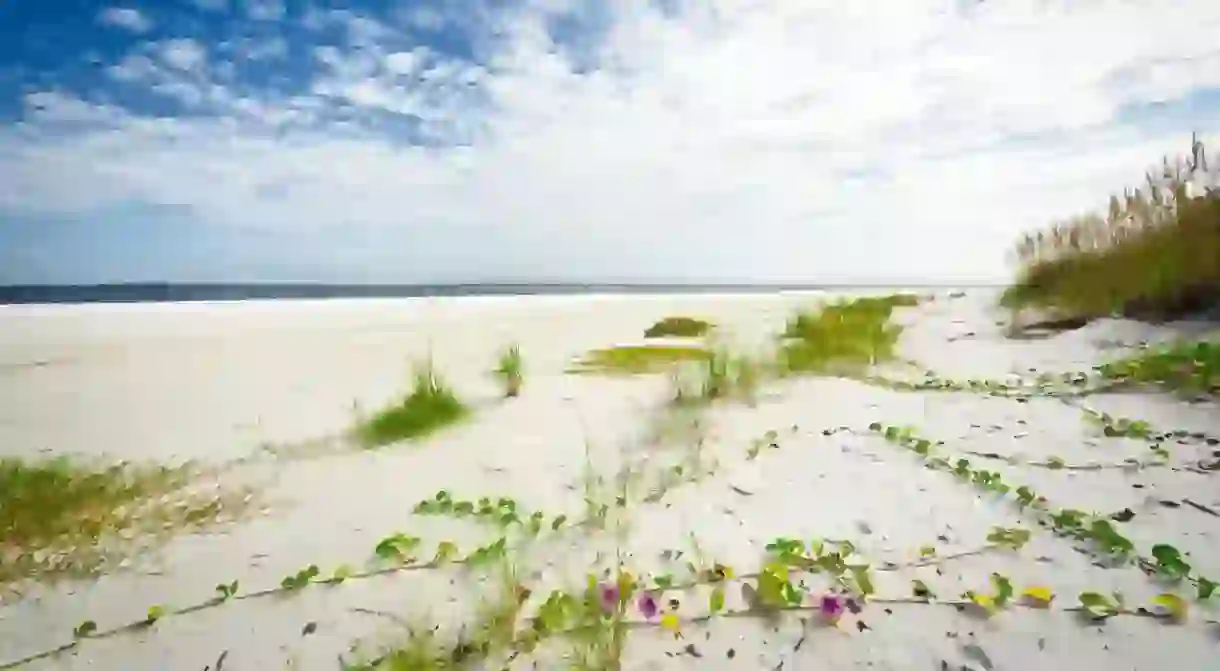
226	381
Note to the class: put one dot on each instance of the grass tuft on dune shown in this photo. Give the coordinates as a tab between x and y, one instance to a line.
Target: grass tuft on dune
840	335
430	406
510	370
678	327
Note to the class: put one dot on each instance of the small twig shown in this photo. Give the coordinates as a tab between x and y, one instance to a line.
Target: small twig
1200	507
398	619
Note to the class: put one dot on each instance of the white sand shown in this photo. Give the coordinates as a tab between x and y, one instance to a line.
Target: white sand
216	381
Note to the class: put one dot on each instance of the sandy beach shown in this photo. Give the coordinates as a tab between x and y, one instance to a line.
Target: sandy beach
264	390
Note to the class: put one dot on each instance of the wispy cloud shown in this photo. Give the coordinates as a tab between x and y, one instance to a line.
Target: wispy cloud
720	140
126	18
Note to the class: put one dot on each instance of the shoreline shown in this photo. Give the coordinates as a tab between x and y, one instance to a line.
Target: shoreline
124	294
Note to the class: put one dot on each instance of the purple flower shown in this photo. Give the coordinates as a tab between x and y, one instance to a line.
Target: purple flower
648	606
609	594
831	606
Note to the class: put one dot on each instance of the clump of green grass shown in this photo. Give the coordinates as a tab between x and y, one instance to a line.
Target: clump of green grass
510	369
722	375
844	334
633	359
430	406
1154	254
1181	366
678	327
60	517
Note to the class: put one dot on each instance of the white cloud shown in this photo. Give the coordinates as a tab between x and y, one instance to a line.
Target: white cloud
183	54
733	140
427	18
126	18
265	10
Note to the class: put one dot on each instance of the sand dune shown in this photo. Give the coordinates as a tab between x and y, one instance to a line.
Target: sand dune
218	382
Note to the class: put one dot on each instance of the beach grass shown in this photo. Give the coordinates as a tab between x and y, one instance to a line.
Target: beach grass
510	370
636	359
431	405
1154	254
678	327
842	334
60	517
723	374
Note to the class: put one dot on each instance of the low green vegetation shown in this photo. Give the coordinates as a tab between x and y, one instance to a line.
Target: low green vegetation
843	335
61	518
1154	254
633	359
431	405
721	375
678	327
1181	366
510	369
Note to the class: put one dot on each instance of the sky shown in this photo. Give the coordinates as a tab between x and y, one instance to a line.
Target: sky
578	140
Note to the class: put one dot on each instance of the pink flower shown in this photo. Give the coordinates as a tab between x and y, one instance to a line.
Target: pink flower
831	606
648	606
609	597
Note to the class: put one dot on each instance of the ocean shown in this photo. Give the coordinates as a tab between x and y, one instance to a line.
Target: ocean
171	292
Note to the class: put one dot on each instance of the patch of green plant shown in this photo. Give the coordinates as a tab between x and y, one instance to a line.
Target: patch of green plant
722	375
841	336
503	512
1155	253
510	370
1097	531
66	518
431	405
635	359
678	327
1179	366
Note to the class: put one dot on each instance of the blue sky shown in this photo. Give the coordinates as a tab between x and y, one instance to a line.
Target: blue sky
481	140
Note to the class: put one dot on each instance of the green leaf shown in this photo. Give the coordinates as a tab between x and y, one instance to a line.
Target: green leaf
558	522
1055	463
445	551
86	628
663	581
1097	605
341	573
863	580
715	602
921	591
1206	588
1003	589
155	613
